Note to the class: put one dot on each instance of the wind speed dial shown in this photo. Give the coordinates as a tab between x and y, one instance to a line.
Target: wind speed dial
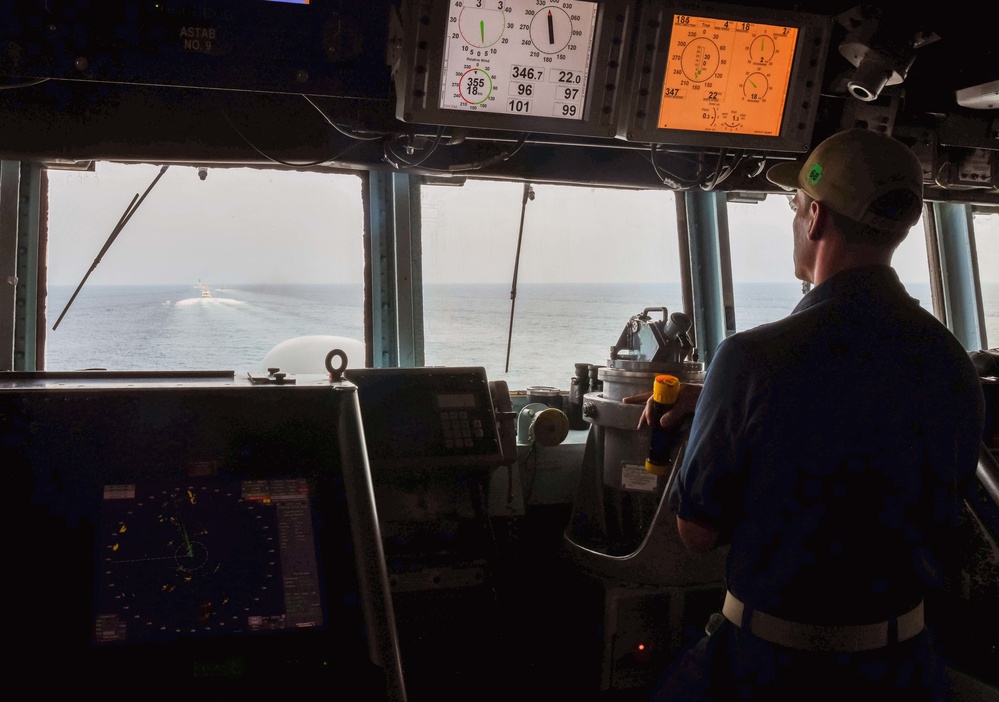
481	27
475	86
521	57
755	86
699	60
762	48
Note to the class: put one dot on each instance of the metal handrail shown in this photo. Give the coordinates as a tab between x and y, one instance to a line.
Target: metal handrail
988	473
984	503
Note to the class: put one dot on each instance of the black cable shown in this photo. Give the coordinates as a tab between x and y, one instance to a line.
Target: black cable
722	170
27	84
491	161
411	164
718	175
671	180
509	486
709	184
461	167
337	127
761	163
286	163
528	490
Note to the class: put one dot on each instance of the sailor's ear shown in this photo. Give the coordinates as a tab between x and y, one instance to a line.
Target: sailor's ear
818	219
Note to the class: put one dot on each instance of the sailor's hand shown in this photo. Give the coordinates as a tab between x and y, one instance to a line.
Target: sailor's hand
686	403
646	397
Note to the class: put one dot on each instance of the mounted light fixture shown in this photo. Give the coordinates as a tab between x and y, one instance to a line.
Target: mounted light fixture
881	48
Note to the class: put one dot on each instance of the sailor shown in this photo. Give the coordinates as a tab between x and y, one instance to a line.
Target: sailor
831	450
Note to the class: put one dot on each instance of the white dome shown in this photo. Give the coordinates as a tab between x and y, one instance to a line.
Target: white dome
305	355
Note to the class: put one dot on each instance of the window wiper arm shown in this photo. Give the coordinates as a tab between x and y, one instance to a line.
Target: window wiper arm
125	216
528	195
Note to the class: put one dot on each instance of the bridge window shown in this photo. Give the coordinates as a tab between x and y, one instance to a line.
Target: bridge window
590	258
763	282
987	246
913	266
209	273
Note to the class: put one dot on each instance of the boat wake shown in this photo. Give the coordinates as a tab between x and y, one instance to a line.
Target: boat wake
228	301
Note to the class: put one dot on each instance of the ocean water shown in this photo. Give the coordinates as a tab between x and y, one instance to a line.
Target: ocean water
155	327
172	327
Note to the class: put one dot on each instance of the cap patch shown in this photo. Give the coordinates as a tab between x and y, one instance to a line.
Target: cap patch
814	173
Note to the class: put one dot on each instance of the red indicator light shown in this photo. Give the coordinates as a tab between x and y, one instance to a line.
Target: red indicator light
642	653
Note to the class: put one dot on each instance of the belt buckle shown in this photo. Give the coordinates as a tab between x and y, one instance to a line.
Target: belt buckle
714	623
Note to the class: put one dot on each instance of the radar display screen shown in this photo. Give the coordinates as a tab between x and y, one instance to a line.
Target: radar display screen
203	558
518	57
726	76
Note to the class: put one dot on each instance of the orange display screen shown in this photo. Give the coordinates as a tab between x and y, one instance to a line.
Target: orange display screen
726	76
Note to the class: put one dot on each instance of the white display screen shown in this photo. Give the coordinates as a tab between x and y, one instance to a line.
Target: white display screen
521	57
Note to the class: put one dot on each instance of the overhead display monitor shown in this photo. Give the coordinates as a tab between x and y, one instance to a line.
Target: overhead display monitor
538	66
724	76
716	75
526	65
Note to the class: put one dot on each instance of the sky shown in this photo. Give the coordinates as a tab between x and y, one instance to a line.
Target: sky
237	225
241	225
